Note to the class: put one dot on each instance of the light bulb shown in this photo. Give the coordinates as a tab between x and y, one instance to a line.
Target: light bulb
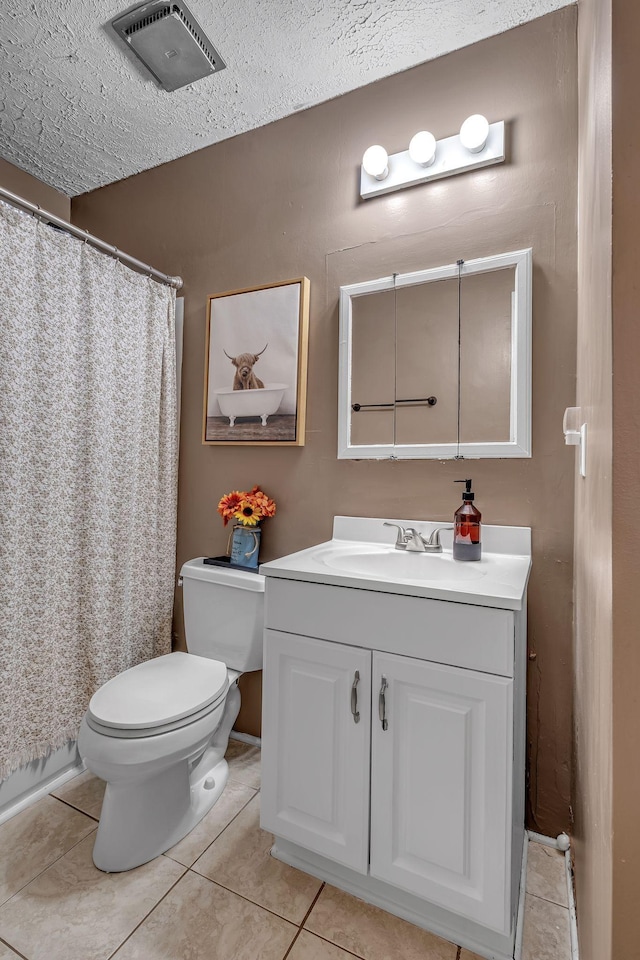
375	162
422	148
474	132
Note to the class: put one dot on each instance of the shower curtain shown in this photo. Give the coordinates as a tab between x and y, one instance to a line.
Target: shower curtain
88	475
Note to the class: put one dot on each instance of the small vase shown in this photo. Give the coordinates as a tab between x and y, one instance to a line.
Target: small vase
245	546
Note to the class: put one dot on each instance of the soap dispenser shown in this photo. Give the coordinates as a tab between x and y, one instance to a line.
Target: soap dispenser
466	530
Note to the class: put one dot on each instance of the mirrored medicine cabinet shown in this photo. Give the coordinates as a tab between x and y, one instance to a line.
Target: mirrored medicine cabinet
436	364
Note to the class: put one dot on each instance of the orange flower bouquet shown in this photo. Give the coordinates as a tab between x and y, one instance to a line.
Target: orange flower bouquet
245	508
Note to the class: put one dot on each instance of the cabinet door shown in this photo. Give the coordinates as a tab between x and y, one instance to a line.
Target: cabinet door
441	786
315	770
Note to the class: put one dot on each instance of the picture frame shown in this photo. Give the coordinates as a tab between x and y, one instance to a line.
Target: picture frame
255	381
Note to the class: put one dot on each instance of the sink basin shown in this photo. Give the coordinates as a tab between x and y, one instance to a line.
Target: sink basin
376	561
360	556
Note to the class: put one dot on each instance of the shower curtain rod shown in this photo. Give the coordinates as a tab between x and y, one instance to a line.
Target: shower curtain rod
37	211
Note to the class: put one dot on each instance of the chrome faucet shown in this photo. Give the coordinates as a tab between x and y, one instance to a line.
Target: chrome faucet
401	539
411	540
433	544
415	541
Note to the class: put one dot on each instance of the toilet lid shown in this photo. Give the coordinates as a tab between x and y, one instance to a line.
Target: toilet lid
159	691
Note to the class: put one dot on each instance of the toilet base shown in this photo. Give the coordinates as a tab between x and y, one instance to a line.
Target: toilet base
159	812
144	818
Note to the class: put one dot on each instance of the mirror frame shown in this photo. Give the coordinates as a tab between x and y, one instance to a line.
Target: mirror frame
519	443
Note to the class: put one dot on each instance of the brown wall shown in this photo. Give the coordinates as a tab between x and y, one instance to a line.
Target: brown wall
26	186
626	482
281	202
607	559
593	568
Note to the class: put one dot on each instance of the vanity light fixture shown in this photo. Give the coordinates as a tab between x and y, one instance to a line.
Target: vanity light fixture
474	132
375	162
478	144
422	148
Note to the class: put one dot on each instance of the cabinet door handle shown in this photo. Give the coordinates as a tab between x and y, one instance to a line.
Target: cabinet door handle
354	697
382	704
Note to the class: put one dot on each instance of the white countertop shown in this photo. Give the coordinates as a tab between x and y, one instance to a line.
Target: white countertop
499	579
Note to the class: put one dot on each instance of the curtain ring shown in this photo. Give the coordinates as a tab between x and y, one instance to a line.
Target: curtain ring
86	237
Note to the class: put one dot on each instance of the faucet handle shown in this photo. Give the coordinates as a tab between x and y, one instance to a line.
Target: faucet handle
401	541
434	539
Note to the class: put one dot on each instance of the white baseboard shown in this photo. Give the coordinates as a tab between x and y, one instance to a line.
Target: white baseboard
245	738
40	790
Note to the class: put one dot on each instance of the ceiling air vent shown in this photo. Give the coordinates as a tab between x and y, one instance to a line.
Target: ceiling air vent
170	42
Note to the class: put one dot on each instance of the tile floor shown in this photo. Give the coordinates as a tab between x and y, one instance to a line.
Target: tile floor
217	895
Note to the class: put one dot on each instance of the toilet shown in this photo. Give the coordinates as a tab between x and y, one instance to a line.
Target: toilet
158	732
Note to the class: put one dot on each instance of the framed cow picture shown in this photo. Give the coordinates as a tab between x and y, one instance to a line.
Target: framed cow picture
256	365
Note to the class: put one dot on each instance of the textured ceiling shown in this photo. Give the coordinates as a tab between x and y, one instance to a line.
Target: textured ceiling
78	111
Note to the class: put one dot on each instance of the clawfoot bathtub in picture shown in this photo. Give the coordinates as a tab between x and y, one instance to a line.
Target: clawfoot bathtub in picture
256	372
260	402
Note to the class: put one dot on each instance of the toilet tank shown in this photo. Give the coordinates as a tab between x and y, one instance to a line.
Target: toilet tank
223	614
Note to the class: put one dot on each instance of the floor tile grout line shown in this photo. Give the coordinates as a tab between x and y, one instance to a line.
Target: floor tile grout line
319	935
147	915
209	845
44	869
13	949
304	920
251	786
332	943
313	903
241	783
292	944
67	803
539	896
273	913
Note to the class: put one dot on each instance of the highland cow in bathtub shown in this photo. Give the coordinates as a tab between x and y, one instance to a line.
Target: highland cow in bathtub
244	377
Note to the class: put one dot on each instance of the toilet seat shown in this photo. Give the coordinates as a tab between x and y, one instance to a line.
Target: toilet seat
139	732
159	695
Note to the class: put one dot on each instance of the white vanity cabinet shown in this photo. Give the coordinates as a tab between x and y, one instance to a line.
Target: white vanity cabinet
393	750
440	784
316	757
436	794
